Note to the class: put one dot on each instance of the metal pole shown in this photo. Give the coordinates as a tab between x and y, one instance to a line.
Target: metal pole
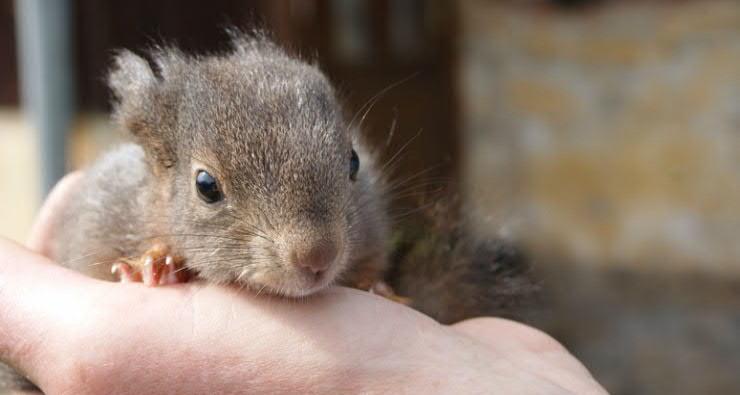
45	69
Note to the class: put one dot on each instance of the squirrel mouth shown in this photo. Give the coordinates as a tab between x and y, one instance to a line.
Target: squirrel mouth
291	285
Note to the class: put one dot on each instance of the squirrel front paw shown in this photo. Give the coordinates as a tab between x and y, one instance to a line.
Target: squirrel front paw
383	289
155	267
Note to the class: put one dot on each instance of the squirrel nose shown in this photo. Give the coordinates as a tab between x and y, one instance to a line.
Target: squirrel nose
317	258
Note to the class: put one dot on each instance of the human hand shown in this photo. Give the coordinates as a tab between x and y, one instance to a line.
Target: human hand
73	334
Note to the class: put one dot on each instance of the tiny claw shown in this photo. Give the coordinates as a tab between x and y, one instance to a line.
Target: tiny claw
152	271
381	288
155	267
124	272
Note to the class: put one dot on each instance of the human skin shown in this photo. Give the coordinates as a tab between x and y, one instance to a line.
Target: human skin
77	335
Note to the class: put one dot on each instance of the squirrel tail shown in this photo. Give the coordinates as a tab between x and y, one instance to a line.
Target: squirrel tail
451	275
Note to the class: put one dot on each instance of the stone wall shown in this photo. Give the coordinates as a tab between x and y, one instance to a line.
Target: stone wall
620	124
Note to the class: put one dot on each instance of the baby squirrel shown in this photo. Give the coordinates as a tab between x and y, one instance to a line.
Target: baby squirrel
243	169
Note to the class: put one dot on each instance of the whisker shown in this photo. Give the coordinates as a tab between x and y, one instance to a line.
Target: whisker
377	96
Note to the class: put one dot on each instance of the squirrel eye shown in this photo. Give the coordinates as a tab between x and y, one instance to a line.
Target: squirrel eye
207	187
354	165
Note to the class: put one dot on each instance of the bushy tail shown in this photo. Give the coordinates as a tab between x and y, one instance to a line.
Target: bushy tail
450	274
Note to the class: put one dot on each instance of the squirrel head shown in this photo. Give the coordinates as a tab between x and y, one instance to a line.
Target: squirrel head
255	158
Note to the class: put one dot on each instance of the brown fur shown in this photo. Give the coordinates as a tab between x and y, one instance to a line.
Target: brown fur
451	275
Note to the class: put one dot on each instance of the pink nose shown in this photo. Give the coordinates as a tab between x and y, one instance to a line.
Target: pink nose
316	258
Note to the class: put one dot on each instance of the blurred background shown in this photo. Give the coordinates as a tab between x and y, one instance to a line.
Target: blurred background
602	136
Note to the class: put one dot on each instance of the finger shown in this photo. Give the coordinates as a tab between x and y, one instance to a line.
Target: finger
516	339
39	303
41	232
491	331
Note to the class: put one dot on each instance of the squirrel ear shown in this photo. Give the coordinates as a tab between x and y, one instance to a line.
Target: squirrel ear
131	77
138	93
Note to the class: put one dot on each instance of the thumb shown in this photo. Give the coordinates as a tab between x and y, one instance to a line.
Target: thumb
40	304
41	233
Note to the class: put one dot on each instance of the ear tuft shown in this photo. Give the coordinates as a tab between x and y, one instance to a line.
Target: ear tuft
252	43
167	62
